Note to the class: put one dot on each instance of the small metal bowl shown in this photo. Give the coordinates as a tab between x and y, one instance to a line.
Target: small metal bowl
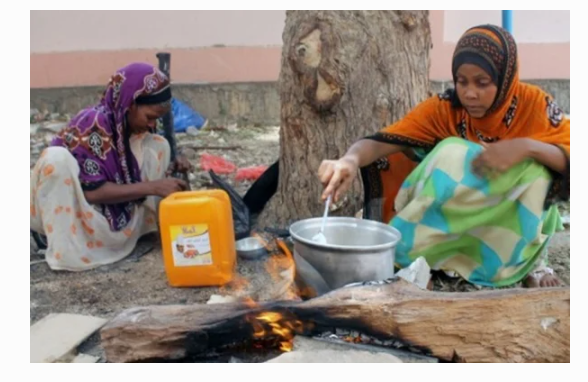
250	248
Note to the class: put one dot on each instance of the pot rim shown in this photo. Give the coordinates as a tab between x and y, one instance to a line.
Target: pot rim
295	227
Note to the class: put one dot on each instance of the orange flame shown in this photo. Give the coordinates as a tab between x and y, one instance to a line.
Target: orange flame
258	330
350	339
263	242
282	269
286	346
249	302
268	325
269	317
276	265
238	287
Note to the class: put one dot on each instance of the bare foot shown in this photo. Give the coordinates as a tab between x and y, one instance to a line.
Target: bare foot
545	281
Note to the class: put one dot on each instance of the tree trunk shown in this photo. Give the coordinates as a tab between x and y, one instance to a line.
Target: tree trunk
509	325
344	75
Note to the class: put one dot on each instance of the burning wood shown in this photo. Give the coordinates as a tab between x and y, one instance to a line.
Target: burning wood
281	269
513	325
273	328
352	336
269	325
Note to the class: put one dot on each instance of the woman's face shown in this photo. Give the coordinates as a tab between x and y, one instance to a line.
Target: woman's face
475	90
143	118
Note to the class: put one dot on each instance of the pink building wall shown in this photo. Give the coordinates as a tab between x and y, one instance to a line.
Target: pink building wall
83	48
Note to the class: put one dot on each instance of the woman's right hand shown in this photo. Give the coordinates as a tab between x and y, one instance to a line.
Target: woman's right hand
337	176
165	187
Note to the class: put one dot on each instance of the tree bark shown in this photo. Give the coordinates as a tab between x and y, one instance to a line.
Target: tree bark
510	325
344	75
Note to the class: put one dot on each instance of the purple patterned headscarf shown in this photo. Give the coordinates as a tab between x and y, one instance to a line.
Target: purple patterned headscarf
98	136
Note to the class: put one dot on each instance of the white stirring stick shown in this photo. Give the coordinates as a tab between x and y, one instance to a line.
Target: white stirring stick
320	237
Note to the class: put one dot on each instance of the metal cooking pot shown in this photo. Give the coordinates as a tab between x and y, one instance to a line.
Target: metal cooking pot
356	251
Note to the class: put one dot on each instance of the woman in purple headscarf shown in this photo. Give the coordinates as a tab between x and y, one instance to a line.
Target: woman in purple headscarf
95	191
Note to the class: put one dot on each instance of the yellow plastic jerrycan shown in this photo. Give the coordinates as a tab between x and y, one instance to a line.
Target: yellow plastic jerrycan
198	238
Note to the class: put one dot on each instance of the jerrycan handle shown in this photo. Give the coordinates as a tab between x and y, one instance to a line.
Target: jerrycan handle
184	195
191	194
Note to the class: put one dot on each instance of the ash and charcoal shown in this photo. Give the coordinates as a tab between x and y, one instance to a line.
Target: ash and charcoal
354	336
259	351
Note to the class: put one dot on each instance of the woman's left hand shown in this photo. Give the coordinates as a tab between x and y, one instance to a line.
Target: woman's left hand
181	164
501	156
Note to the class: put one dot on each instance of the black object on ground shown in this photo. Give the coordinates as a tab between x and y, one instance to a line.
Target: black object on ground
263	189
241	216
40	240
168	121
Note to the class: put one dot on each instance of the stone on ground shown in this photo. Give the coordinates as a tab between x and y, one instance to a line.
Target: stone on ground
55	337
334	356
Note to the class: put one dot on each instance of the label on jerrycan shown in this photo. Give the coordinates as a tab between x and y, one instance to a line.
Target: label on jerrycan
190	245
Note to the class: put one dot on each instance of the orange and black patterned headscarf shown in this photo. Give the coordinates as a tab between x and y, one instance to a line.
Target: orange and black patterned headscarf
519	110
494	50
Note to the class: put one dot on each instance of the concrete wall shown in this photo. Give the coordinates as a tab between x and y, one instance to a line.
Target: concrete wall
51	31
245	103
83	48
529	27
543	40
225	64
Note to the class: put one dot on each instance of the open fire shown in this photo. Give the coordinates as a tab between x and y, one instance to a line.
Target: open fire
276	326
273	324
270	328
273	329
422	323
